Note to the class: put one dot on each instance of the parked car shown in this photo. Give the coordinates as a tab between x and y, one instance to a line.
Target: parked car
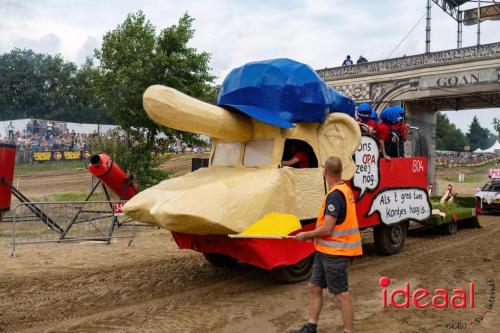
489	196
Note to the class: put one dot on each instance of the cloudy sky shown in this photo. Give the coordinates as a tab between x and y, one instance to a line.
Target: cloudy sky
319	33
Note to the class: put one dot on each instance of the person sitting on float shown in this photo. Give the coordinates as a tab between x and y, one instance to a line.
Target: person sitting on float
367	118
391	132
298	157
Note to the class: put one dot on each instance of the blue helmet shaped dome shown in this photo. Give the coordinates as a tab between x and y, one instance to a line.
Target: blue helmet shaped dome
365	110
392	114
281	92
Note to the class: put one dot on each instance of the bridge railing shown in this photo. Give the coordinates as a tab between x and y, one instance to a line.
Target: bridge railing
453	56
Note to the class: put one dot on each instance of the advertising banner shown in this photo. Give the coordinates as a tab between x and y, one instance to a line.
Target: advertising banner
57	155
487	13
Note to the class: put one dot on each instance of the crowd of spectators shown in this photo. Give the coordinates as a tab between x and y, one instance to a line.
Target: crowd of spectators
446	158
41	135
45	136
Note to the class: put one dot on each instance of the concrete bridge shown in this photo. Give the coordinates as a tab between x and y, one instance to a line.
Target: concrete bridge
457	79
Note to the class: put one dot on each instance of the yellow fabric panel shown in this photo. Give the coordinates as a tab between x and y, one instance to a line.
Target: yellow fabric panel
339	135
309	191
307	132
174	109
273	224
211	200
264	131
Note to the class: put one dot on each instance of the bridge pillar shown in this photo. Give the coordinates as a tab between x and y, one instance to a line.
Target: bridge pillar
423	117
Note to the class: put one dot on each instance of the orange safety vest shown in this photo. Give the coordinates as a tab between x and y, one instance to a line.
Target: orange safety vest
345	239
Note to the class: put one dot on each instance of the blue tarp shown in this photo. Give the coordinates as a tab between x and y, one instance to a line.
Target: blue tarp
281	92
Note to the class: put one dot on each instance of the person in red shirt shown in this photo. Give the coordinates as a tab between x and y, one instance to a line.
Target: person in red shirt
299	158
367	118
383	135
392	132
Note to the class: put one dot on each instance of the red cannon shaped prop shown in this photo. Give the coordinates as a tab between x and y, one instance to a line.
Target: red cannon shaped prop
103	167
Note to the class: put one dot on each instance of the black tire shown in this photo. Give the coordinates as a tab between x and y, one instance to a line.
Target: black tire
473	222
390	239
220	260
450	228
294	273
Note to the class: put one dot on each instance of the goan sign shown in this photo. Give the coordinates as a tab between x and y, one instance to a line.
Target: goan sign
458	79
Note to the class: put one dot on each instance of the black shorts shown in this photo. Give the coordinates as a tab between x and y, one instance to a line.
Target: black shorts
330	271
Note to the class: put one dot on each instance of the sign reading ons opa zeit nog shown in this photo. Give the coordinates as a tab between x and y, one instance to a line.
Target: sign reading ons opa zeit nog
366	158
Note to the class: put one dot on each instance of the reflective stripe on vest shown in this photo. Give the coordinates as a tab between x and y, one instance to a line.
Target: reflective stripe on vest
342	245
345	239
346	232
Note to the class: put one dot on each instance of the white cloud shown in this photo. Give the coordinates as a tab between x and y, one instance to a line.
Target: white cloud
87	49
462	119
49	43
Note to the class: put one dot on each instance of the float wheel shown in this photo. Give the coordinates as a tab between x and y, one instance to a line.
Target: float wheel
294	273
450	228
389	239
220	260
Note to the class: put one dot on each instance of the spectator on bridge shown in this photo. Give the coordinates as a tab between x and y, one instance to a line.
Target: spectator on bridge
347	61
367	118
361	60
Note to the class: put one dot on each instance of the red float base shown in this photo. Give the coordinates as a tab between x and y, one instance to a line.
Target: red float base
263	253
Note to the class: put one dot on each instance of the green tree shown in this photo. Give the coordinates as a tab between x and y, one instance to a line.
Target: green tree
496	125
492	138
85	104
31	83
35	85
477	135
448	136
133	57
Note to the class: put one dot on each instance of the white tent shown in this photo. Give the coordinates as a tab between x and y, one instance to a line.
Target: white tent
478	150
493	149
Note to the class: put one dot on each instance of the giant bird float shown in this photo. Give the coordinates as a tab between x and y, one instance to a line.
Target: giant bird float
263	107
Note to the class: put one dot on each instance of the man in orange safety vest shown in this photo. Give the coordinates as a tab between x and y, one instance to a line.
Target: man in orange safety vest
336	239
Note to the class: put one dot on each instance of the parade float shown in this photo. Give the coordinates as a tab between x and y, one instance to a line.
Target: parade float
264	108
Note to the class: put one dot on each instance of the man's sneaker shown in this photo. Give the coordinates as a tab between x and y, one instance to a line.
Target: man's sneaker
307	328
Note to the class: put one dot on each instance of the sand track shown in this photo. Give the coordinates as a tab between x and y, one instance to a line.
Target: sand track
157	288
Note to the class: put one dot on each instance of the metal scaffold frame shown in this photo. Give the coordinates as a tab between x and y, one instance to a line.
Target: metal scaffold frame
453	9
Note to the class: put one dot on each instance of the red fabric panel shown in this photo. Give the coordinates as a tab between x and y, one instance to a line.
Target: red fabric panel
263	253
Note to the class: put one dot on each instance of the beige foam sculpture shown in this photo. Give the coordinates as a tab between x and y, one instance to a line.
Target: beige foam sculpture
228	199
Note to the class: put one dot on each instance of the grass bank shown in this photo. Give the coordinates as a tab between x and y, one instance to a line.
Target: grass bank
36	167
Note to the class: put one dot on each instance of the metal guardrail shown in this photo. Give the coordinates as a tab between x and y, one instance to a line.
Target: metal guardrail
67	221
